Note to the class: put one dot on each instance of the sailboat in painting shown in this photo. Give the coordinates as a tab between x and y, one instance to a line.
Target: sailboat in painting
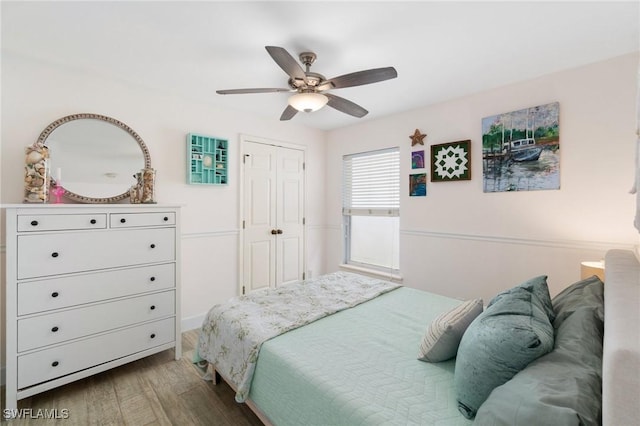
522	149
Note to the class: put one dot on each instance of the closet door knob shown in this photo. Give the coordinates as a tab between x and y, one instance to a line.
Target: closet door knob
153	336
123	220
274	231
54	294
34	223
54	254
55	363
279	231
152	246
93	221
54	329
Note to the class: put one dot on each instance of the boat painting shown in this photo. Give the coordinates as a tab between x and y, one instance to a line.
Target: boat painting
521	150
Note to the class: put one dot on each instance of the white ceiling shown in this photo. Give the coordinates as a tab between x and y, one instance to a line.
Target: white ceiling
441	50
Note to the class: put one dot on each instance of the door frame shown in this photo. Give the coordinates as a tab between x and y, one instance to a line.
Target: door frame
244	138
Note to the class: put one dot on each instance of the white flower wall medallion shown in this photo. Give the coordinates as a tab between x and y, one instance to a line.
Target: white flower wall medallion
451	161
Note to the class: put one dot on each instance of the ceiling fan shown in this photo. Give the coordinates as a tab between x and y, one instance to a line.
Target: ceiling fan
311	88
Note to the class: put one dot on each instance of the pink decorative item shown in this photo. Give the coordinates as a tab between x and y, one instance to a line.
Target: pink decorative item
58	191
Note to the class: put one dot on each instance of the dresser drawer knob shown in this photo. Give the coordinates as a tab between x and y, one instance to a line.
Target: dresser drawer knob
54	329
153	335
55	363
93	221
123	220
54	254
152	279
55	294
34	223
166	219
152	307
152	246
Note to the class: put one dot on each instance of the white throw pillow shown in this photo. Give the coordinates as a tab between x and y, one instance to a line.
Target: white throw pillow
442	338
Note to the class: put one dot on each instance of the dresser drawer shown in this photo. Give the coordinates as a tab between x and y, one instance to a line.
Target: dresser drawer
50	254
61	222
58	327
48	364
56	293
132	220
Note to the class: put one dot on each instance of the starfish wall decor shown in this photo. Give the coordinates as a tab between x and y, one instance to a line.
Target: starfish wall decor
417	138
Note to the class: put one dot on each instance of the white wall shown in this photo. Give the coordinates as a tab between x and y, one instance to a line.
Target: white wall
462	242
457	241
34	94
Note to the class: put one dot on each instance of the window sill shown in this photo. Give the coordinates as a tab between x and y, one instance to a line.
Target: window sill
396	278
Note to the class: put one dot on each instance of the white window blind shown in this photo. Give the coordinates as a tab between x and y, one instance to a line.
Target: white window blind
372	183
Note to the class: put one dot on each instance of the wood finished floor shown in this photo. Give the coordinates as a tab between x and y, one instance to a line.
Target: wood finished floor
156	390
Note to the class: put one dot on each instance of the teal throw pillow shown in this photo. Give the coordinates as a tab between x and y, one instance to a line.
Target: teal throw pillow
564	386
538	287
513	330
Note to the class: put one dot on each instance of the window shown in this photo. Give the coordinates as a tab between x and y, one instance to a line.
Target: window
371	209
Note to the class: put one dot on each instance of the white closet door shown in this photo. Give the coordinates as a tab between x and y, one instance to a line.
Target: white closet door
290	216
259	245
273	215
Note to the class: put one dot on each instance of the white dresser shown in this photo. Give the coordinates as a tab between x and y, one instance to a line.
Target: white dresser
88	288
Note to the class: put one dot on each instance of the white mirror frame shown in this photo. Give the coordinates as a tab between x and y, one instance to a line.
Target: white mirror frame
83	198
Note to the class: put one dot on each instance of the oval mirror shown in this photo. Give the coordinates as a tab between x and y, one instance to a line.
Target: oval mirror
94	156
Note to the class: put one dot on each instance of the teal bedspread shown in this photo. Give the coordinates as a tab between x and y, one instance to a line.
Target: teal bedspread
233	332
359	367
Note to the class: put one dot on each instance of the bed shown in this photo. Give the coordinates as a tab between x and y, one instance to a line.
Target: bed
345	349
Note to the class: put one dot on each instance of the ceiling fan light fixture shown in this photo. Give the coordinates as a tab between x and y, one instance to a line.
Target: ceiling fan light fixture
308	101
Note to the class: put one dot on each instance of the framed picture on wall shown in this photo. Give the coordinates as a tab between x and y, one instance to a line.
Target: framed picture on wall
451	161
206	160
417	160
521	149
418	185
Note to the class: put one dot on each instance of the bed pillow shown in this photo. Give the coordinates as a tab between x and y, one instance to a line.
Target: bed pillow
538	287
442	338
512	331
562	387
587	293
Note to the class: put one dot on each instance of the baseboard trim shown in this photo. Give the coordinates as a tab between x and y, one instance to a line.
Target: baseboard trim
191	323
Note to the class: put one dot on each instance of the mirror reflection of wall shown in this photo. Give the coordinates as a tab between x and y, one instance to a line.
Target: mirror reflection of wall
95	157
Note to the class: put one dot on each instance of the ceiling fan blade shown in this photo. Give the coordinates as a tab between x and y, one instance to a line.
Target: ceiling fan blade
288	113
359	78
243	91
286	62
346	106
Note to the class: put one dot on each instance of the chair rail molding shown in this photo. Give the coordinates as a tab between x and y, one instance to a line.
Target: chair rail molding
210	234
566	244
